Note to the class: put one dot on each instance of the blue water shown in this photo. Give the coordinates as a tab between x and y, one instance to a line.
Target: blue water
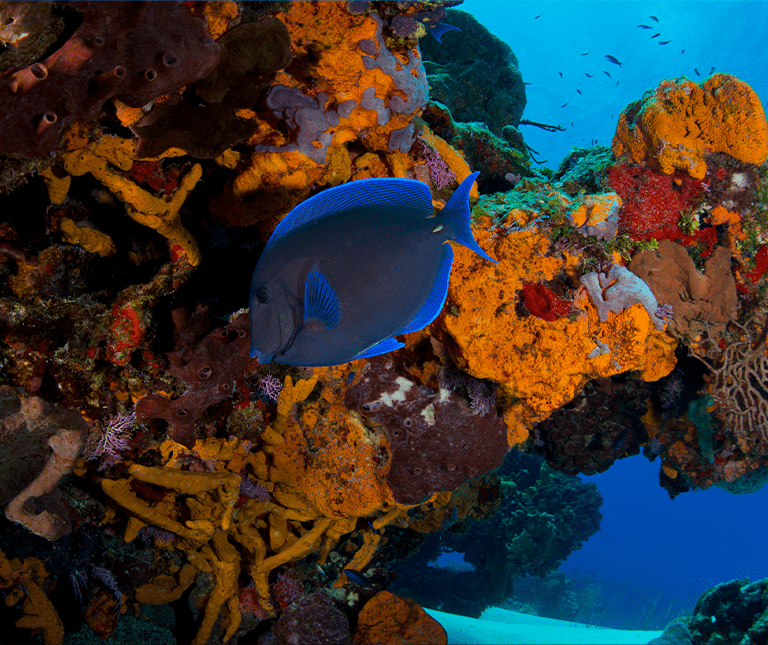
649	547
729	36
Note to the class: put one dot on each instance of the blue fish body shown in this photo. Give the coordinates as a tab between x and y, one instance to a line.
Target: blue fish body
358	578
352	267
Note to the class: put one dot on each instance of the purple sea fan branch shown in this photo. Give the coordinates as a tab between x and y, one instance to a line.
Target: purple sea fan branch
439	172
112	440
269	386
105	577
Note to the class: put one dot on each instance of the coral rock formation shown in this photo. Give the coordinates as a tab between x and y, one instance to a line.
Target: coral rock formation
673	126
39	443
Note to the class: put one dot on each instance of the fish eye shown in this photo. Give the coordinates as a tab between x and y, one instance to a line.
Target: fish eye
262	295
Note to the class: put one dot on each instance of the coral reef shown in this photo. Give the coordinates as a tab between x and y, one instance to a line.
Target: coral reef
473	90
39	444
731	612
405	622
134	52
207	365
149	150
437	442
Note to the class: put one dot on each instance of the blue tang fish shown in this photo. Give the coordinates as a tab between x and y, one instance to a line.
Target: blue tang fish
353	266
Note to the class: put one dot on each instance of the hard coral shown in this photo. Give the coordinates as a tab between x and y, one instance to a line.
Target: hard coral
461	77
674	125
437	442
538	365
386	618
39	444
251	54
702	304
313	620
208	366
132	51
600	425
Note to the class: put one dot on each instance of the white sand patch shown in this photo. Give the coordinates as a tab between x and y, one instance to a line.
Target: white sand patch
503	627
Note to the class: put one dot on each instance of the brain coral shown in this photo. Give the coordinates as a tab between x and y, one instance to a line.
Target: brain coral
675	125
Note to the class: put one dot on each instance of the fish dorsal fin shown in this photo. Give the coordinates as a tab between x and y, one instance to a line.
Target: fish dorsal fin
436	299
401	194
440	28
385	346
321	304
456	216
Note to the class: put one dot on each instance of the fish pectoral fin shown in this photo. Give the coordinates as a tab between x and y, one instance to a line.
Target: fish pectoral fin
436	299
388	345
322	310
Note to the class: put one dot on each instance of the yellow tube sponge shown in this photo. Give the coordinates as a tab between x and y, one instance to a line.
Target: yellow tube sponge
143	207
225	484
89	238
674	126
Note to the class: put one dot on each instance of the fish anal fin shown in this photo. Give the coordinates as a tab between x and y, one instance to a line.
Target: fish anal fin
385	346
322	310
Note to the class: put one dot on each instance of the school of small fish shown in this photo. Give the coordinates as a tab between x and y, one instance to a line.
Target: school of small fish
615	61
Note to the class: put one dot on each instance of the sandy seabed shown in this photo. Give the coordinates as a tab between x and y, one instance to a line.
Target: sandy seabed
503	627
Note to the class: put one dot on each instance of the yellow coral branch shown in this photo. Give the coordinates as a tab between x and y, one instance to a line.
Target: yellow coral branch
144	208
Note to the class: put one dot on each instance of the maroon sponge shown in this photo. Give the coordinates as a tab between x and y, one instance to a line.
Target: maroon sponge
437	442
135	51
208	365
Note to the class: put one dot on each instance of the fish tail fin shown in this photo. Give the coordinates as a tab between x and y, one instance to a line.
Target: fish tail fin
456	217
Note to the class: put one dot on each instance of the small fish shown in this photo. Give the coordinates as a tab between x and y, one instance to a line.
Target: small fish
712	71
528	83
607	74
584	54
440	28
376	531
358	578
618	442
644	27
654	18
588	74
697	71
664	42
617	83
537	17
563	105
561	74
656	35
352	267
579	91
613	59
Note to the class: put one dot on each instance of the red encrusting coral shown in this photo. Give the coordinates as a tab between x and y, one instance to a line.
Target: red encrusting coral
652	202
542	302
761	265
